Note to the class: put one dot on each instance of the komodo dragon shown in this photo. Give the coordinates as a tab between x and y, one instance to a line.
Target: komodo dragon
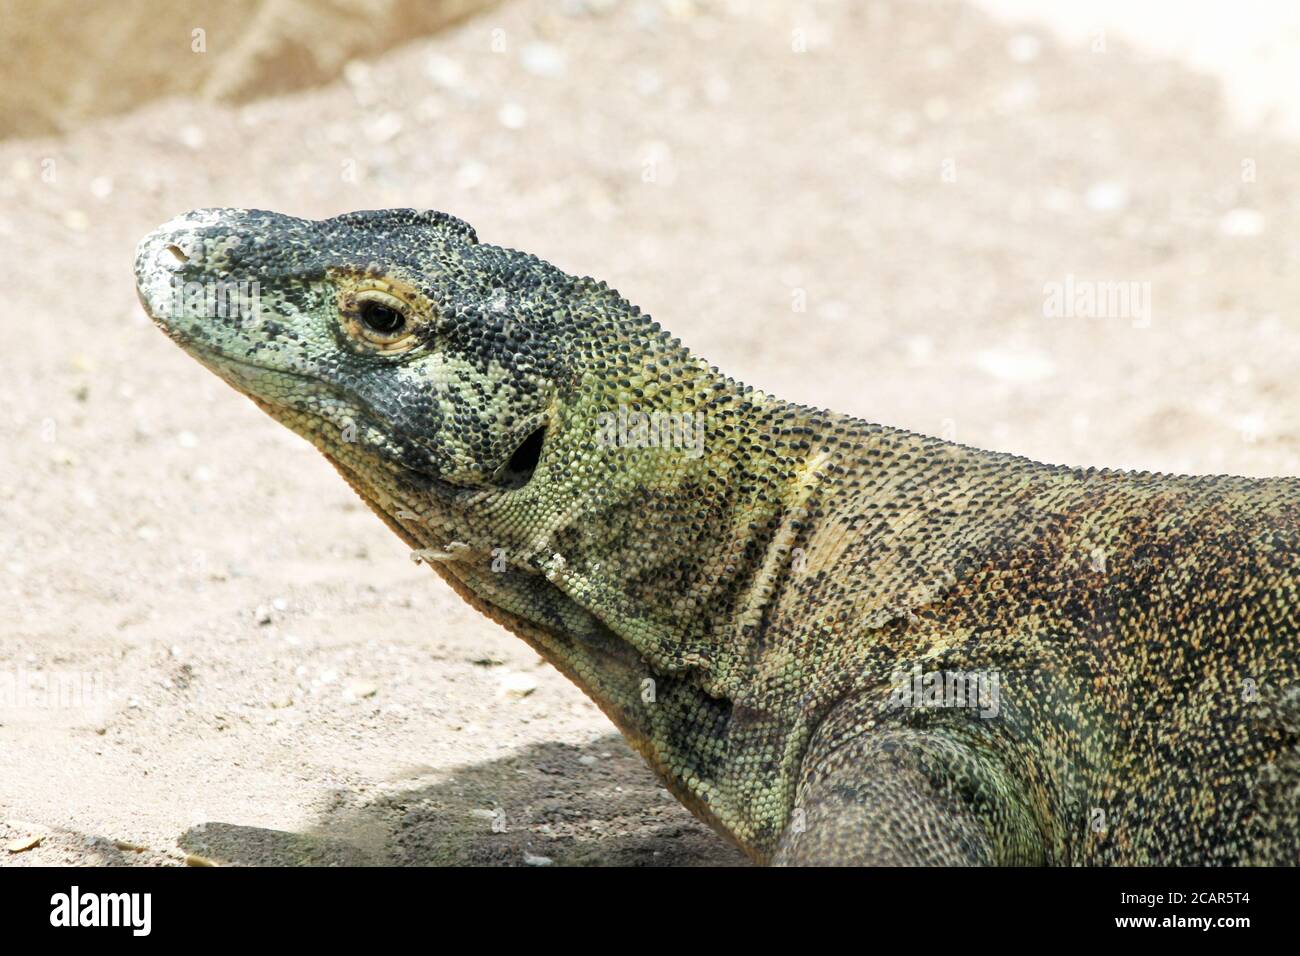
835	642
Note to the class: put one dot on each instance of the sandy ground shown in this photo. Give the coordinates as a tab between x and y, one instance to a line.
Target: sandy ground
247	664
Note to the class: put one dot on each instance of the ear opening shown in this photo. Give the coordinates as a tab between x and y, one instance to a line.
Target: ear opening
519	469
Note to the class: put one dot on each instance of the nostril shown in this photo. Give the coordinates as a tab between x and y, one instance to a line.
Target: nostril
176	253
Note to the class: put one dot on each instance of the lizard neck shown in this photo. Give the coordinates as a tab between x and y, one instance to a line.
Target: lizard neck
673	548
678	551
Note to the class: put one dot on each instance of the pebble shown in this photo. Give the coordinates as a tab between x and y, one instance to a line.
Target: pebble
577	8
543	59
1017	367
1106	197
469	174
517	685
1024	48
444	71
193	137
512	116
1018	96
357	72
359	690
1242	222
384	128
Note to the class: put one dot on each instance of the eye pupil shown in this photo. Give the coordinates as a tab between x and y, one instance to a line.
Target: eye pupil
384	319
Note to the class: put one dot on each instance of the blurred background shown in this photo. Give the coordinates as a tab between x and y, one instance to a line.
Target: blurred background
1064	230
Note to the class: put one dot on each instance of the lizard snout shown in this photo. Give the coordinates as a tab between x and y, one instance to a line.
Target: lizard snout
184	257
158	260
179	242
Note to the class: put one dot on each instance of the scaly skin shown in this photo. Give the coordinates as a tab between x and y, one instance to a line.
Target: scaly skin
747	612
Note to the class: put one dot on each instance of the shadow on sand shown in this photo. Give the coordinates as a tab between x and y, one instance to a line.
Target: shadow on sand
594	805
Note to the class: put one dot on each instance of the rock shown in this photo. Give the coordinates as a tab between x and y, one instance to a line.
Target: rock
444	71
76	220
384	127
1024	48
517	685
543	59
359	690
1241	222
1106	197
531	860
1018	367
512	116
23	844
469	174
193	137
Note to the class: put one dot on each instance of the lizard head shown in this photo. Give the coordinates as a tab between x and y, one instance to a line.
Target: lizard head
392	331
426	365
531	434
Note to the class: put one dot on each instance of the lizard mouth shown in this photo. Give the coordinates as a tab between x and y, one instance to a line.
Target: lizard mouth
408	461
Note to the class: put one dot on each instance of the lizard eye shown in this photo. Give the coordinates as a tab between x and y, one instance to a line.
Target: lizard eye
381	318
382	315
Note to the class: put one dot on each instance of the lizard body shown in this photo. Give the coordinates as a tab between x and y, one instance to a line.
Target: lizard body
834	641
